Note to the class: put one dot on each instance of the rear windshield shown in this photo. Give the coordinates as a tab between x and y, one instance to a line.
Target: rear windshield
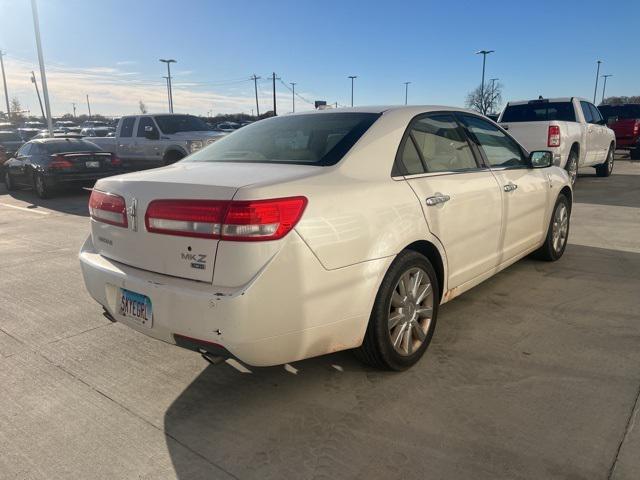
10	137
539	112
64	146
623	112
316	139
170	124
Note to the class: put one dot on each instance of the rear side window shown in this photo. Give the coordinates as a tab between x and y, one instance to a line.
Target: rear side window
586	111
539	111
439	144
126	130
311	139
499	149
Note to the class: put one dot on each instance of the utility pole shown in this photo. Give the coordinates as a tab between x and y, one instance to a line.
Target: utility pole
604	87
88	105
493	92
595	90
293	96
255	85
74	109
484	54
169	88
33	80
274	94
43	75
4	81
406	91
352	77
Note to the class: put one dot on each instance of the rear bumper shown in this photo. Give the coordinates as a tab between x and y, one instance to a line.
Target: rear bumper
292	309
61	178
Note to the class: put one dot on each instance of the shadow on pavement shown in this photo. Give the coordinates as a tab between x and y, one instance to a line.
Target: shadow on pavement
511	387
72	201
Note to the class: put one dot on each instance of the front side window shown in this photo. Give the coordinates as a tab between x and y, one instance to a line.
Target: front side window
312	139
595	113
499	149
142	124
126	130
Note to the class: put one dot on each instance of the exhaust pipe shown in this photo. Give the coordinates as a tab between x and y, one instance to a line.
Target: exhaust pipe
212	359
108	316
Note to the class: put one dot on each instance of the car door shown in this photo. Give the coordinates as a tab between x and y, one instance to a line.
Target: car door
17	165
524	190
460	198
602	131
592	147
126	140
146	149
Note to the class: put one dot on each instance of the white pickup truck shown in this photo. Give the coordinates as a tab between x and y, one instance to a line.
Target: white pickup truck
145	141
572	128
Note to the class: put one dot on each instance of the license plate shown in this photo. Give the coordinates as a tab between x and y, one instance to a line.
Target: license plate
93	164
136	307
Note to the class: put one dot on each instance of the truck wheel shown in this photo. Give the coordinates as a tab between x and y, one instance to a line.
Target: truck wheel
404	314
572	167
172	157
606	168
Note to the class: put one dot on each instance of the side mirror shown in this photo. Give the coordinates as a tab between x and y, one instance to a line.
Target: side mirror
541	159
151	133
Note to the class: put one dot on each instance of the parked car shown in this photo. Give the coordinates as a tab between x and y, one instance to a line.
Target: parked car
624	120
50	163
227	126
94	124
572	128
97	132
27	133
330	230
10	141
145	141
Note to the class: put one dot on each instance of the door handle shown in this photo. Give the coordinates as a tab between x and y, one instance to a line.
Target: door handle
510	187
437	199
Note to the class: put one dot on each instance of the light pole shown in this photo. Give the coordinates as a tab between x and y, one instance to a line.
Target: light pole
484	54
595	90
33	80
352	77
604	87
169	61
88	106
406	91
168	95
43	75
293	95
74	110
4	81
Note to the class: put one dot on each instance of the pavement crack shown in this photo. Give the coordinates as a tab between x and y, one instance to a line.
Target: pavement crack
78	333
631	420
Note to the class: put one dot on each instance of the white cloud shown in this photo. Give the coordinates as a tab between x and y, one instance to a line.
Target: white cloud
115	91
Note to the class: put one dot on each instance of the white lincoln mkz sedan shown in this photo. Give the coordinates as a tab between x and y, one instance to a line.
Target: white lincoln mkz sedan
311	233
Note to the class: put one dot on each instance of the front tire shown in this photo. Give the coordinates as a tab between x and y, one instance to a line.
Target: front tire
404	314
606	168
558	232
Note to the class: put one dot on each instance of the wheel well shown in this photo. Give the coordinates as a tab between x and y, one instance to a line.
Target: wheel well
567	193
430	251
173	155
576	147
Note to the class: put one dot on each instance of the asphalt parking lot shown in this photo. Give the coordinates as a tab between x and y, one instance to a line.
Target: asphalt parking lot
533	374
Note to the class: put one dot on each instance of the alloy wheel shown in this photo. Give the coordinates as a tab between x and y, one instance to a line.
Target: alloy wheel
560	227
410	311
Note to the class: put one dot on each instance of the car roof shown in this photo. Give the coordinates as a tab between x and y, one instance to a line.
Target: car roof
552	100
380	109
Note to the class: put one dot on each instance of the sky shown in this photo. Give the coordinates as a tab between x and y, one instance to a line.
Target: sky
109	50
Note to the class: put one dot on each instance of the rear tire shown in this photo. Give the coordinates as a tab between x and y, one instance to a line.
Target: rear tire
172	157
404	314
558	232
40	186
606	168
8	182
572	167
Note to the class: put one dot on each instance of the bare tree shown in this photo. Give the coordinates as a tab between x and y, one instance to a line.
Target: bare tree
143	107
16	108
486	101
621	100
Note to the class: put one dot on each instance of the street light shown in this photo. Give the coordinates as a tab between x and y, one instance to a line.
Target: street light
484	54
352	77
293	95
604	87
406	91
170	93
43	76
595	90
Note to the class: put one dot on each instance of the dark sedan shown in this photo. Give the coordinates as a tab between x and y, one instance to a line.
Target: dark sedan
49	163
11	141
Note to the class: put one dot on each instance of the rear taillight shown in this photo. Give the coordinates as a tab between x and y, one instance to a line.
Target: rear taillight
108	208
60	163
553	140
636	127
242	221
115	160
